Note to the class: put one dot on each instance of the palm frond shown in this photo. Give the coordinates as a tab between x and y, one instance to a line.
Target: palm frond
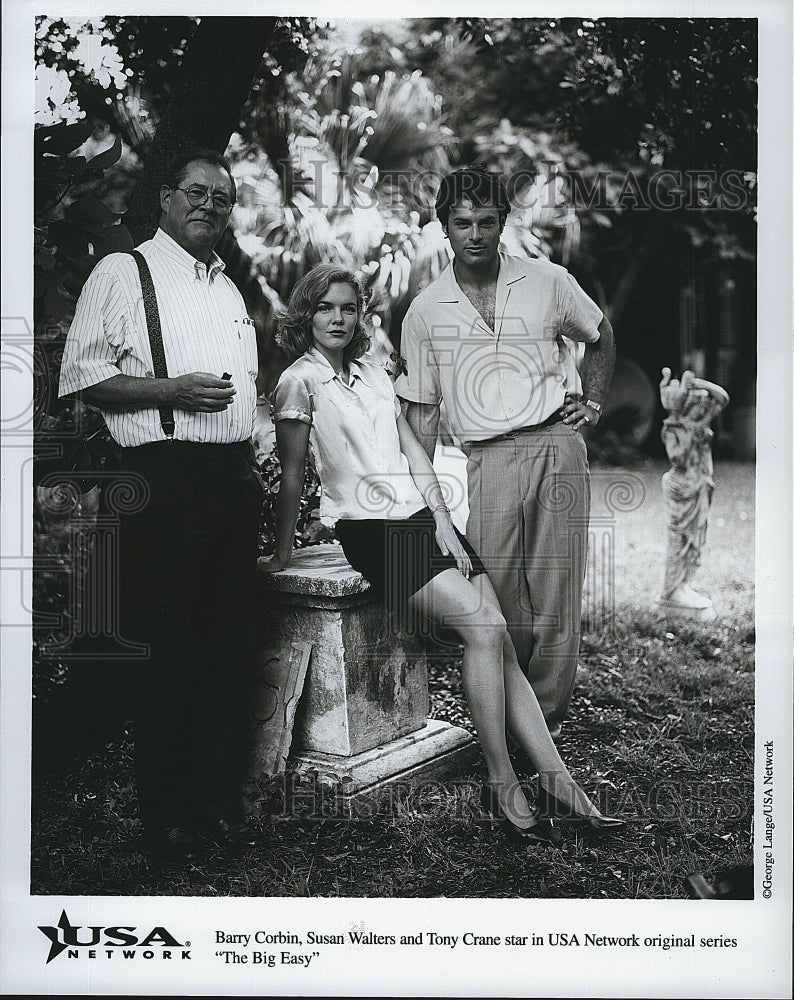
407	129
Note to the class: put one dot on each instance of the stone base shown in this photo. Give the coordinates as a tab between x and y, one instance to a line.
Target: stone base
366	682
432	753
672	609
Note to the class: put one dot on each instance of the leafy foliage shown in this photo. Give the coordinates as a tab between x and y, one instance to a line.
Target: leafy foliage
73	55
658	86
624	88
73	229
330	174
565	102
309	529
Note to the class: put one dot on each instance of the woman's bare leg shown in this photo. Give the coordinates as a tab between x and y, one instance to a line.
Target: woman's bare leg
452	601
526	724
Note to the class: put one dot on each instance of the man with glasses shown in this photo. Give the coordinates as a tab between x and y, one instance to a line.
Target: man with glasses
187	551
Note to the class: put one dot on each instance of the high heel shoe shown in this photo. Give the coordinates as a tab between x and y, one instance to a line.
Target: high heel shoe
538	833
552	808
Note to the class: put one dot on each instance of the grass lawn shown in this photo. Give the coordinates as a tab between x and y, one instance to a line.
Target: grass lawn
660	731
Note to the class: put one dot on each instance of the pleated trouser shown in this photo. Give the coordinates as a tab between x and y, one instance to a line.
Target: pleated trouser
529	501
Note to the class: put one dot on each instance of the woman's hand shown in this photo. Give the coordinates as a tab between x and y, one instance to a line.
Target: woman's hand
449	543
425	478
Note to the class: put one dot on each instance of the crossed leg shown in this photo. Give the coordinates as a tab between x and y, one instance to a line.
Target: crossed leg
455	602
499	696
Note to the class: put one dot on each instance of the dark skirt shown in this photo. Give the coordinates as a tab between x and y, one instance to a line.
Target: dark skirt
398	557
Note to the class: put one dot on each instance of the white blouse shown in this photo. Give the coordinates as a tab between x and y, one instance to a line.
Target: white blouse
363	472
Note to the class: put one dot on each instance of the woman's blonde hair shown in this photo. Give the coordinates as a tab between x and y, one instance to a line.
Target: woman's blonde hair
295	325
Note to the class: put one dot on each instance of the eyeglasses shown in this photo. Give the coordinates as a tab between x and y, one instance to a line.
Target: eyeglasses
197	196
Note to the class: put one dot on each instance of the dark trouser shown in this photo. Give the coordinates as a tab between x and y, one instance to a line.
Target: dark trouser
188	563
529	499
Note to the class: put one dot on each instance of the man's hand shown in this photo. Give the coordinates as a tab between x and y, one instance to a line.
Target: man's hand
577	414
201	391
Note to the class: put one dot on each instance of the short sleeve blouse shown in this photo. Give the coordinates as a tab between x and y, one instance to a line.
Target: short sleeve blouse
354	438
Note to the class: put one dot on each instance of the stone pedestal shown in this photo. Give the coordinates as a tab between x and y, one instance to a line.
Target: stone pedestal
699	612
361	723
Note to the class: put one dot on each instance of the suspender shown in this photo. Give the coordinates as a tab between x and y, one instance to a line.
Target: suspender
155	337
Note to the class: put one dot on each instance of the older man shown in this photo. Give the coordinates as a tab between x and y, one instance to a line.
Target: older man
491	337
188	550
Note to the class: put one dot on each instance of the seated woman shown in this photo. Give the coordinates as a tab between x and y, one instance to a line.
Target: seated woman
380	489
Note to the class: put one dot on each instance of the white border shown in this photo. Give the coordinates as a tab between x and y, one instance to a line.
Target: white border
760	967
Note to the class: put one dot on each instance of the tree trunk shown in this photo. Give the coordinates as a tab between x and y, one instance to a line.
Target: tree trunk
222	59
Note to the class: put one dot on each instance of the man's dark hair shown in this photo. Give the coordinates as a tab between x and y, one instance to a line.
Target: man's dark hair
178	166
482	187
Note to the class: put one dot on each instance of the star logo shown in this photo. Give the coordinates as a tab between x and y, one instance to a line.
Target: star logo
56	944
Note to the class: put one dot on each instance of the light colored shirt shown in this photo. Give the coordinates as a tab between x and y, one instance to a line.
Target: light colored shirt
205	328
354	439
500	380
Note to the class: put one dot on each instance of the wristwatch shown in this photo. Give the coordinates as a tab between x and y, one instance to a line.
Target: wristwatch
593	405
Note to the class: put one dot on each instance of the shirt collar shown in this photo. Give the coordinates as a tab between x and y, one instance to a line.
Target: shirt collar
327	374
359	369
178	255
449	291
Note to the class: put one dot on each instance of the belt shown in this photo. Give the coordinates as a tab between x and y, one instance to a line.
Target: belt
173	446
555	418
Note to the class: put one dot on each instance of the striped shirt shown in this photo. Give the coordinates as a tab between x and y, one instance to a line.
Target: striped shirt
205	329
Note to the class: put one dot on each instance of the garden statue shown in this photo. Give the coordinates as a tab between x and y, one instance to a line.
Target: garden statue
691	404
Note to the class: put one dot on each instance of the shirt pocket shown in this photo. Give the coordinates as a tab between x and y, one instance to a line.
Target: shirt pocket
245	335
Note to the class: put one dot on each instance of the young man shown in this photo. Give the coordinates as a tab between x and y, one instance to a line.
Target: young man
490	338
188	540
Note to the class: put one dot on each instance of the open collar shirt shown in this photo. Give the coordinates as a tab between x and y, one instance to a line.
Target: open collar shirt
205	328
354	438
500	380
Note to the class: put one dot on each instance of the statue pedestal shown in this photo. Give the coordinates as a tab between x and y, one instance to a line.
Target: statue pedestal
693	611
361	724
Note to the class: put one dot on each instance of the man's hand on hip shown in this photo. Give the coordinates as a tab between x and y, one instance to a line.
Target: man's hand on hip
577	414
201	391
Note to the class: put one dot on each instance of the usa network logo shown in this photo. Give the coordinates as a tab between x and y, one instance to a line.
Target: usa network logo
123	943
